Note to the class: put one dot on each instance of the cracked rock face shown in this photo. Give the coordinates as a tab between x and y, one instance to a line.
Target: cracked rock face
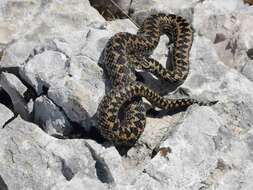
31	159
52	120
51	82
5	115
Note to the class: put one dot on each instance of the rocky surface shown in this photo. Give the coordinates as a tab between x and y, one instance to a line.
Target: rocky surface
51	83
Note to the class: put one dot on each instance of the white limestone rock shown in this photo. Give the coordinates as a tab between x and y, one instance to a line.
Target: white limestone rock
156	131
143	8
41	19
44	69
5	115
16	54
118	166
31	159
210	149
210	78
227	24
121	25
247	70
66	81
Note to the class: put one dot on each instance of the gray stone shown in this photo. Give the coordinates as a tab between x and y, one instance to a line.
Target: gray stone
45	70
5	115
41	19
231	19
17	53
143	8
210	77
81	181
66	81
16	90
51	119
247	70
121	25
72	95
207	151
37	161
156	131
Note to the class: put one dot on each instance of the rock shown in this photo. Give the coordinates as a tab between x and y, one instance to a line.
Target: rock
55	49
141	9
65	82
17	92
161	5
17	53
202	164
155	132
51	119
6	33
120	25
72	95
247	70
203	151
210	77
231	20
117	166
38	161
82	181
54	69
195	161
45	18
5	115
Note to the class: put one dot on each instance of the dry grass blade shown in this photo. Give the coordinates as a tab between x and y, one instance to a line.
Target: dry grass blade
123	12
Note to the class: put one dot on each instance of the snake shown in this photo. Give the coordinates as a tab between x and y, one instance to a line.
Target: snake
123	55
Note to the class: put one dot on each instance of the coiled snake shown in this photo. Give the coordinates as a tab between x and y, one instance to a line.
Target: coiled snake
126	52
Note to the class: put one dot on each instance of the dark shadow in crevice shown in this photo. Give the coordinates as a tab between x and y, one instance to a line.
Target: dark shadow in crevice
109	9
250	53
3	185
45	89
124	149
13	70
30	93
80	132
10	120
102	170
5	99
66	170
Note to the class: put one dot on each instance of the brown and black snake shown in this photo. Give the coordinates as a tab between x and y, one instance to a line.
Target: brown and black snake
124	53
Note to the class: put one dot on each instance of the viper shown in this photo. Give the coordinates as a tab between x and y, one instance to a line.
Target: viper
126	52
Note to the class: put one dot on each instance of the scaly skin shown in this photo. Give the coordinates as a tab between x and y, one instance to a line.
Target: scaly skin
125	49
129	132
126	52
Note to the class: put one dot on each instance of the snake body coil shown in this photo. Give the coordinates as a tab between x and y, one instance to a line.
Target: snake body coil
126	52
